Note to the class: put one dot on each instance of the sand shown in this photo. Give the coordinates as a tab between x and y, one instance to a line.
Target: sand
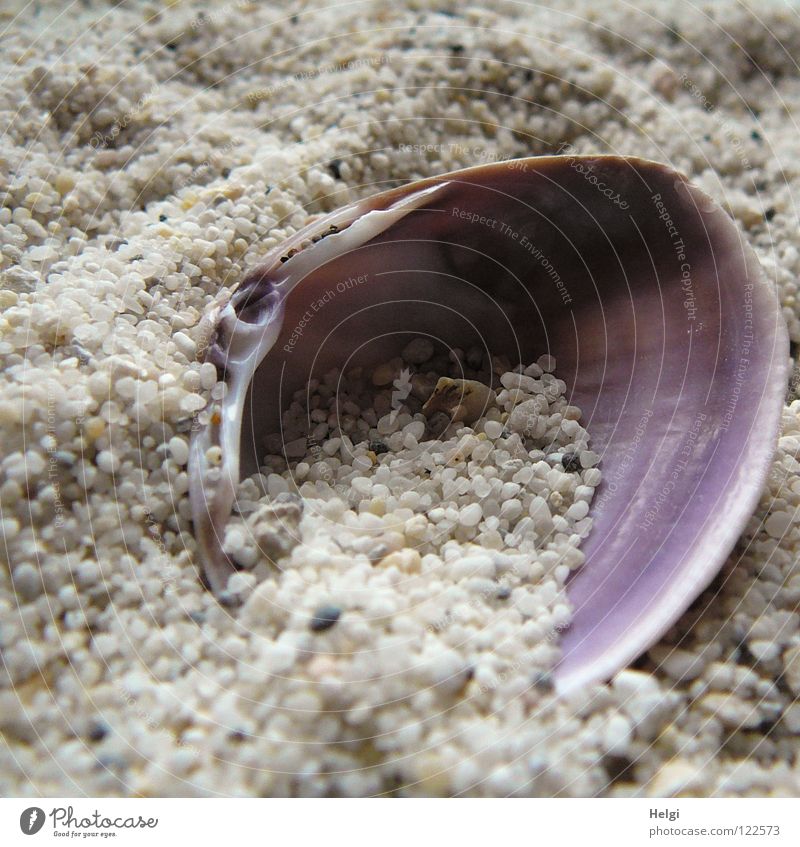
150	155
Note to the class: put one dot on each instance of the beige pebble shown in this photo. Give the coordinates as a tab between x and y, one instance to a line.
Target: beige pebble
791	664
462	399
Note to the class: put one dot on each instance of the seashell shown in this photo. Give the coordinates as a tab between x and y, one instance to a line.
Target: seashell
664	328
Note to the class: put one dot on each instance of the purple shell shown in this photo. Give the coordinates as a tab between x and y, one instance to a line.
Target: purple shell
664	328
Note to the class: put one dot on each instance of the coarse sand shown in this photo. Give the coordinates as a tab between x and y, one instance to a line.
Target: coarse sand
150	154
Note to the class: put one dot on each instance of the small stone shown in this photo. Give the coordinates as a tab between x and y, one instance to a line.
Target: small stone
461	399
192	403
422	386
570	428
274	527
64	182
680	665
416	429
107	462
407	560
674	778
763	650
387	425
525	418
387	373
571	462
471	515
617	735
778	523
519	382
179	448
331	447
438	423
324	618
98	730
34	464
243	226
27	581
731	710
630	683
241	583
592	476
276	485
493	429
278	657
510	510
295	449
791	717
185	345
478	565
474	358
641	699
578	511
539	511
418	351
208	376
791	672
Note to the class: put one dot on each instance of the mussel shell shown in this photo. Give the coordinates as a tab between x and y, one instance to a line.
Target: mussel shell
667	333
